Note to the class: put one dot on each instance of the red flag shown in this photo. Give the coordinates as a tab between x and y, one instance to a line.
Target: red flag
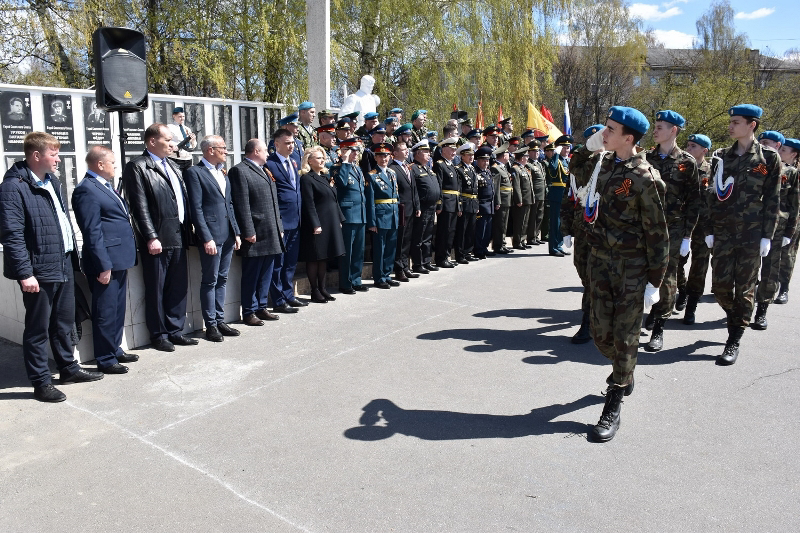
500	116
479	116
455	107
546	113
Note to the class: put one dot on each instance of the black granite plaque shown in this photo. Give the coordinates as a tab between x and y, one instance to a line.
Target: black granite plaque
58	119
15	117
95	124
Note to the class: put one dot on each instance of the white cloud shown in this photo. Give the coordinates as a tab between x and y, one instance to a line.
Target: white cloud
652	12
757	14
674	2
674	38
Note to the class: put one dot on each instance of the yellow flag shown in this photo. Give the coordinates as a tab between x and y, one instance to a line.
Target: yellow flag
536	121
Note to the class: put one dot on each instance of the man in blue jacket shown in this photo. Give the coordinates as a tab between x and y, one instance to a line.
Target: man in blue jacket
39	252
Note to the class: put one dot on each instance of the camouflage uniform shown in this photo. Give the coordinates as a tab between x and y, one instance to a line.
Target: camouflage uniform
522	193
538	177
678	171
788	258
502	194
308	136
572	222
629	248
748	213
695	285
417	135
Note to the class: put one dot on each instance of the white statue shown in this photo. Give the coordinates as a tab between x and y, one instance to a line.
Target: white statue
362	100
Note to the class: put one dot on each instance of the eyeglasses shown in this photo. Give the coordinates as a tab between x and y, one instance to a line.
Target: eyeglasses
224	148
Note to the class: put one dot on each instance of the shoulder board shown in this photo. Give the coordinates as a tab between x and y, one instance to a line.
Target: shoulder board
440	160
373	171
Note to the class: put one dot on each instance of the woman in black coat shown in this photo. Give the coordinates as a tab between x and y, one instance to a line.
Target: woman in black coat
321	226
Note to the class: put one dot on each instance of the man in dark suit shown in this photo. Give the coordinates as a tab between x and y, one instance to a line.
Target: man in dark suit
285	172
255	204
157	197
409	209
109	250
211	204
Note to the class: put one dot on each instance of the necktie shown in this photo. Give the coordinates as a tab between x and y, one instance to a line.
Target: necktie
408	174
289	171
176	188
183	131
110	188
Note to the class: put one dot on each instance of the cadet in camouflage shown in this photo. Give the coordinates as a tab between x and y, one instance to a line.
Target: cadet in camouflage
305	131
789	255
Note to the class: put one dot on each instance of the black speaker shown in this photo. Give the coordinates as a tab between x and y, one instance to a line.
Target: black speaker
120	65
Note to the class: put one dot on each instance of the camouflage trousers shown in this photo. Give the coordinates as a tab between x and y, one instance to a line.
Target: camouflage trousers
695	284
580	258
787	261
770	269
669	285
734	271
616	298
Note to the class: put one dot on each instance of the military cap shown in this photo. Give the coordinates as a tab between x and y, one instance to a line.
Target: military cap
522	150
473	133
431	135
772	135
484	152
564	140
352	116
326	113
343	124
549	146
794	144
380	128
422	145
432	144
305	106
541	135
467	121
327	128
288	119
417	113
466	148
500	150
381	148
746	110
630	117
389	120
591	130
370	115
506	120
396	110
534	145
450	141
702	140
349	142
405	128
177	110
672	117
514	140
527	133
491	129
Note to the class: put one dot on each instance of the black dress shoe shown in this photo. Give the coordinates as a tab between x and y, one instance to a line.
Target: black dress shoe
296	303
163	345
113	369
250	320
127	358
317	297
490	253
480	256
226	330
360	288
284	308
328	296
182	340
462	261
383	285
346	291
394	283
80	376
409	274
445	264
519	247
213	334
401	276
263	314
556	253
431	267
507	249
535	243
48	393
420	270
565	252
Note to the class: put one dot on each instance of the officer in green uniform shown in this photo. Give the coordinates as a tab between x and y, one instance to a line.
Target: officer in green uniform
627	232
792	147
521	198
557	180
306	132
350	183
784	230
382	215
465	124
743	214
418	130
678	171
501	180
327	139
464	242
539	180
691	289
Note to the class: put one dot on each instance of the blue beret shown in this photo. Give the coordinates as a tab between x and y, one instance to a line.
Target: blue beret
305	106
177	110
405	128
371	115
431	134
772	135
389	120
746	110
794	144
288	119
702	140
591	130
630	117
417	113
672	117
380	128
396	110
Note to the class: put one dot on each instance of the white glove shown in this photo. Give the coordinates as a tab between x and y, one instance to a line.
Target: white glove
686	247
568	241
595	142
651	295
786	241
765	246
710	241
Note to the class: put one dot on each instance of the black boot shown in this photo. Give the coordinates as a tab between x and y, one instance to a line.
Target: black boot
628	389
650	321
731	351
691	308
760	321
783	295
608	425
584	334
657	338
680	302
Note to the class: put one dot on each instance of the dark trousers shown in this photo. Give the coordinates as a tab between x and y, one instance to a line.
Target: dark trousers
49	316
384	246
520	223
282	288
555	238
351	264
465	235
535	220
499	224
404	241
108	317
483	233
214	280
422	236
445	233
165	285
256	279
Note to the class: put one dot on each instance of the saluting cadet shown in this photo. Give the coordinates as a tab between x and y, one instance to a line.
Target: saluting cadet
382	216
408	207
539	181
557	179
327	139
429	195
743	213
629	243
784	230
306	133
418	130
486	203
678	171
690	290
464	242
792	147
502	203
521	197
449	208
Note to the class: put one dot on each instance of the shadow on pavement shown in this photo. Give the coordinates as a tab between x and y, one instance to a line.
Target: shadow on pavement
383	419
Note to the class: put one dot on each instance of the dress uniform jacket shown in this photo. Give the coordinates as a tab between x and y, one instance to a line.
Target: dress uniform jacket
381	198
522	192
427	185
449	183
469	188
349	183
538	179
486	195
502	185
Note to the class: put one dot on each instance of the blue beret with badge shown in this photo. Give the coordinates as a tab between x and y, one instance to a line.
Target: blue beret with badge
396	110
702	140
288	119
389	120
591	130
672	117
772	135
370	115
794	144
746	111
630	117
177	110
305	106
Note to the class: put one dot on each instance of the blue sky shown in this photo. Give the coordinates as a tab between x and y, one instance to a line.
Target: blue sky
768	24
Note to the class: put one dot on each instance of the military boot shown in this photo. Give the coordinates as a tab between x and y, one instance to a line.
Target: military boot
731	351
680	301
628	389
650	321
783	296
691	308
584	334
657	338
760	321
608	425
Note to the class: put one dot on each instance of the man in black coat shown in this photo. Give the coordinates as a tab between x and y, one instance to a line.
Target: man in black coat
211	205
109	250
39	252
449	209
429	193
409	209
158	202
465	226
255	203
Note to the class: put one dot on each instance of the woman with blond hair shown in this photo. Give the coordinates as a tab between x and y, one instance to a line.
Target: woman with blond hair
321	227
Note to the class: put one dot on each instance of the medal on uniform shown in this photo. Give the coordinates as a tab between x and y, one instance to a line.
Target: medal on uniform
723	189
